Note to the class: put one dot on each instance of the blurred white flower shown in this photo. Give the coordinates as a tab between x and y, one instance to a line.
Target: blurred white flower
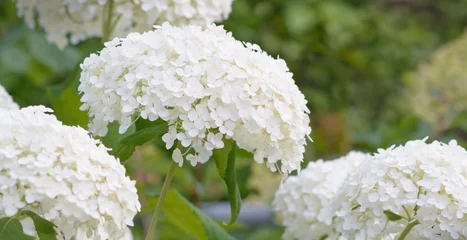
206	85
437	91
65	176
304	201
419	182
82	19
263	184
6	101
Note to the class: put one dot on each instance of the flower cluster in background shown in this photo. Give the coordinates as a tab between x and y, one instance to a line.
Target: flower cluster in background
438	90
414	191
84	19
264	183
421	183
63	175
304	201
206	85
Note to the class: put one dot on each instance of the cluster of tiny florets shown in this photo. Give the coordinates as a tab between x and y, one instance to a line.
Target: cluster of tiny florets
304	201
206	85
82	19
437	91
64	175
6	101
424	184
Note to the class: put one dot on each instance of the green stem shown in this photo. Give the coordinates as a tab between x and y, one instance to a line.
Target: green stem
107	21
160	202
407	230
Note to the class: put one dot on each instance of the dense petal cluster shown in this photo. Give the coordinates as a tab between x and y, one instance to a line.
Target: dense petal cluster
206	85
82	19
304	201
65	176
425	184
6	101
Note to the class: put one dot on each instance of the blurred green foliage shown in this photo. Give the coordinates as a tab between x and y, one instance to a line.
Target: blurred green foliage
348	58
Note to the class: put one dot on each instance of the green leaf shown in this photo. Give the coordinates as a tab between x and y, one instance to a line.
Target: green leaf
299	18
225	161
146	134
11	229
113	137
45	229
66	103
123	152
143	134
48	54
14	59
189	219
324	237
392	216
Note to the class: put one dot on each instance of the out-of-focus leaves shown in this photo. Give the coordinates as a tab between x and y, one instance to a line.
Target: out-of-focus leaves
14	59
299	18
266	234
66	103
49	54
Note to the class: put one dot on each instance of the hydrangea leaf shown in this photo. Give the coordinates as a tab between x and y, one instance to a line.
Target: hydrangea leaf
45	229
146	134
189	219
11	228
113	137
225	161
392	216
143	134
65	102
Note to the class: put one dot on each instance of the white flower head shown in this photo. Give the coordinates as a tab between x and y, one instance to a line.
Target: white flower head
82	19
65	176
422	183
304	200
206	85
6	101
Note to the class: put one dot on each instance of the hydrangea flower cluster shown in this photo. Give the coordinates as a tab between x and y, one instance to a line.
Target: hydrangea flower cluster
304	201
206	85
424	184
6	101
82	19
437	90
65	176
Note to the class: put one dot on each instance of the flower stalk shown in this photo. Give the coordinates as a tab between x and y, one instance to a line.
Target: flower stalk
160	202
407	229
107	21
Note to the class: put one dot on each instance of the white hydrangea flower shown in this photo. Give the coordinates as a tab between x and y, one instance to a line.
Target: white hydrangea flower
419	181
304	201
206	85
6	101
82	19
65	176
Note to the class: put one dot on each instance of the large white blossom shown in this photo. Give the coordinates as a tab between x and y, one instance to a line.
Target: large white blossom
82	19
65	176
6	101
206	85
304	200
422	183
